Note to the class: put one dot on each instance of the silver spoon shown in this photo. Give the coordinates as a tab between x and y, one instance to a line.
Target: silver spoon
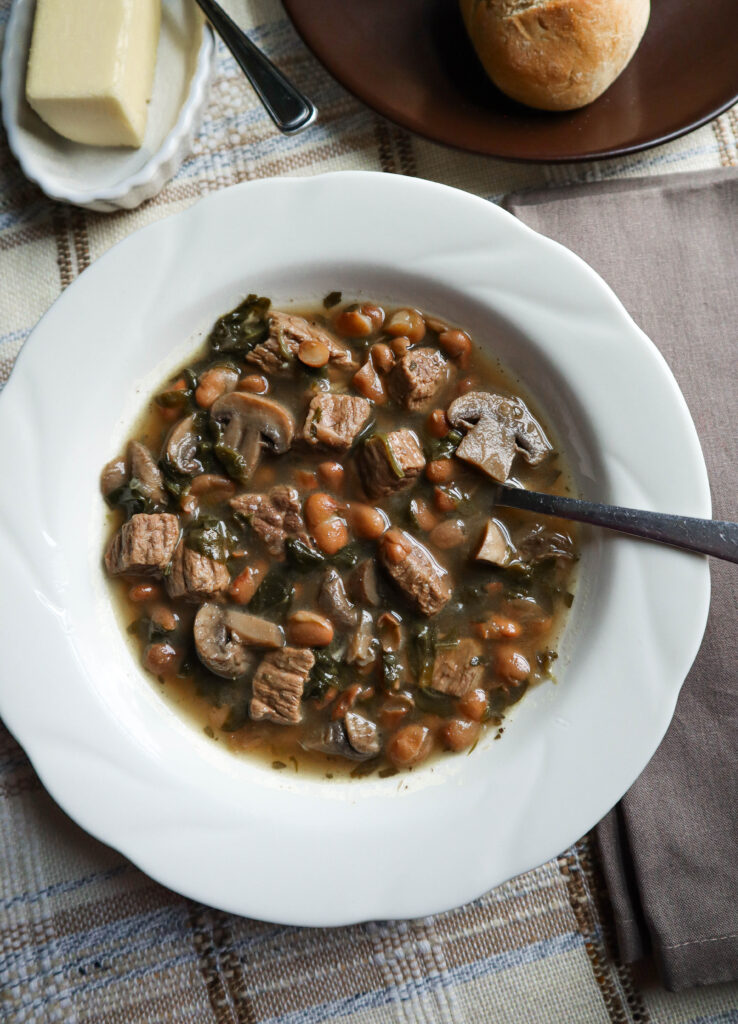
708	536
285	104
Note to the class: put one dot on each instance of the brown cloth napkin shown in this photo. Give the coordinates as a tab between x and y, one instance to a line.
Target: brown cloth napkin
668	246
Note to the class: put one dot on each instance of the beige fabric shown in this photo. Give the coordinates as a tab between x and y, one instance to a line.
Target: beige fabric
84	936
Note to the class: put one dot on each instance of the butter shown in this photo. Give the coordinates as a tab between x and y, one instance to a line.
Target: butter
91	68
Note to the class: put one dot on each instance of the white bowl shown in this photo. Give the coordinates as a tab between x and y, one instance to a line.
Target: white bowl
277	845
111	178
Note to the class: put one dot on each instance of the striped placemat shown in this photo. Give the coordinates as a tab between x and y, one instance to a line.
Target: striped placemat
86	937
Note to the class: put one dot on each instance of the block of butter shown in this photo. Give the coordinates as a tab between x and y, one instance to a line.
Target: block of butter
91	68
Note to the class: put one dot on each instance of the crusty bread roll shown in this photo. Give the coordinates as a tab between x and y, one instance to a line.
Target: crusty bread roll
555	54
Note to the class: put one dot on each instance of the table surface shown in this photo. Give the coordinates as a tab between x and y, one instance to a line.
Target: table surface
84	936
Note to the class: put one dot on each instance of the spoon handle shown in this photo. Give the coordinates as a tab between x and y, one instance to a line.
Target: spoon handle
285	104
708	536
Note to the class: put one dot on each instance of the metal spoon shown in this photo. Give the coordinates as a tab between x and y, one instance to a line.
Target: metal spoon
285	104
708	536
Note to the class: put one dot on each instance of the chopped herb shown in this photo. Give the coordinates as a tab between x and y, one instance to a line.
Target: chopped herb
387	773
462	501
391	458
210	538
208	730
131	498
237	717
348	555
568	598
323	675
392	672
545	660
243	328
364	769
444	447
175	482
275	590
293	759
278	765
332	299
364	434
174	398
301	556
435	703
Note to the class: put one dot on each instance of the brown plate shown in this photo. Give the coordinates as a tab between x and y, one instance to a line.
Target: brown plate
412	61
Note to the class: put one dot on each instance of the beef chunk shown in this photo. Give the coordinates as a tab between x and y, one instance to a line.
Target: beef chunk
195	576
279	683
390	462
458	670
279	351
334	420
415	571
144	545
274	517
417	377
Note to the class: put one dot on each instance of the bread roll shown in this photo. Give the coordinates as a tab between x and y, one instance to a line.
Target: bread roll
555	54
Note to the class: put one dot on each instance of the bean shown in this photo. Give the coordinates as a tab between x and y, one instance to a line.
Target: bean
313	353
443	502
391	715
537	627
331	474
330	694
369	384
440	471
172	414
141	592
244	586
305	480
410	745
406	322
465	385
319	507
422	514
354	324
459	733
264	476
475	705
400	346
308	629
254	383
448	534
496	627
366	521
511	664
346	701
456	344
434	324
215	486
163	616
375	314
382	357
395	546
214	383
331	535
437	425
160	658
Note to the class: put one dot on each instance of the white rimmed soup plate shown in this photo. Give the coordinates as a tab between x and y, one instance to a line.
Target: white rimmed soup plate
300	849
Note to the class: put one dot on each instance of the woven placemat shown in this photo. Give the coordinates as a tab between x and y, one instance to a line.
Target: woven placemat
84	936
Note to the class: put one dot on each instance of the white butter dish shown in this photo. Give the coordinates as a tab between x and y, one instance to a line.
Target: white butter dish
102	178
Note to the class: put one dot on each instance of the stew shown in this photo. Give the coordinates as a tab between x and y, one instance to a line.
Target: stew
307	547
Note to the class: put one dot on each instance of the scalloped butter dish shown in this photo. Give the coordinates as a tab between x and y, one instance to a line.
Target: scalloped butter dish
112	178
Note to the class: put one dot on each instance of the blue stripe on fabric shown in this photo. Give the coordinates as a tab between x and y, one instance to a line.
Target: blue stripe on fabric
432	982
64	887
726	1017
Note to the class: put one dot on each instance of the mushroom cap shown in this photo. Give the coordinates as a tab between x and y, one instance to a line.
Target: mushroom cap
181	446
251	422
498	427
362	733
224	638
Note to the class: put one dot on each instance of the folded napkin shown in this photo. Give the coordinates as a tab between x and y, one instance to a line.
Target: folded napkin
668	247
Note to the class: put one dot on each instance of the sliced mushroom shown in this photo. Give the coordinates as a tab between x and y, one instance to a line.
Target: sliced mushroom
251	422
224	638
495	545
334	600
363	734
361	645
141	465
181	447
498	428
538	544
113	476
328	738
364	585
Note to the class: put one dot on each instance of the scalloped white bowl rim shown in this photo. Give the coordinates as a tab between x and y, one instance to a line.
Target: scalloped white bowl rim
229	831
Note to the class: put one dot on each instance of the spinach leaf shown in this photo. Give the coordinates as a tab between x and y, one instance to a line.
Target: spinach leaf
301	556
210	537
444	447
131	498
332	299
276	589
434	703
243	328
